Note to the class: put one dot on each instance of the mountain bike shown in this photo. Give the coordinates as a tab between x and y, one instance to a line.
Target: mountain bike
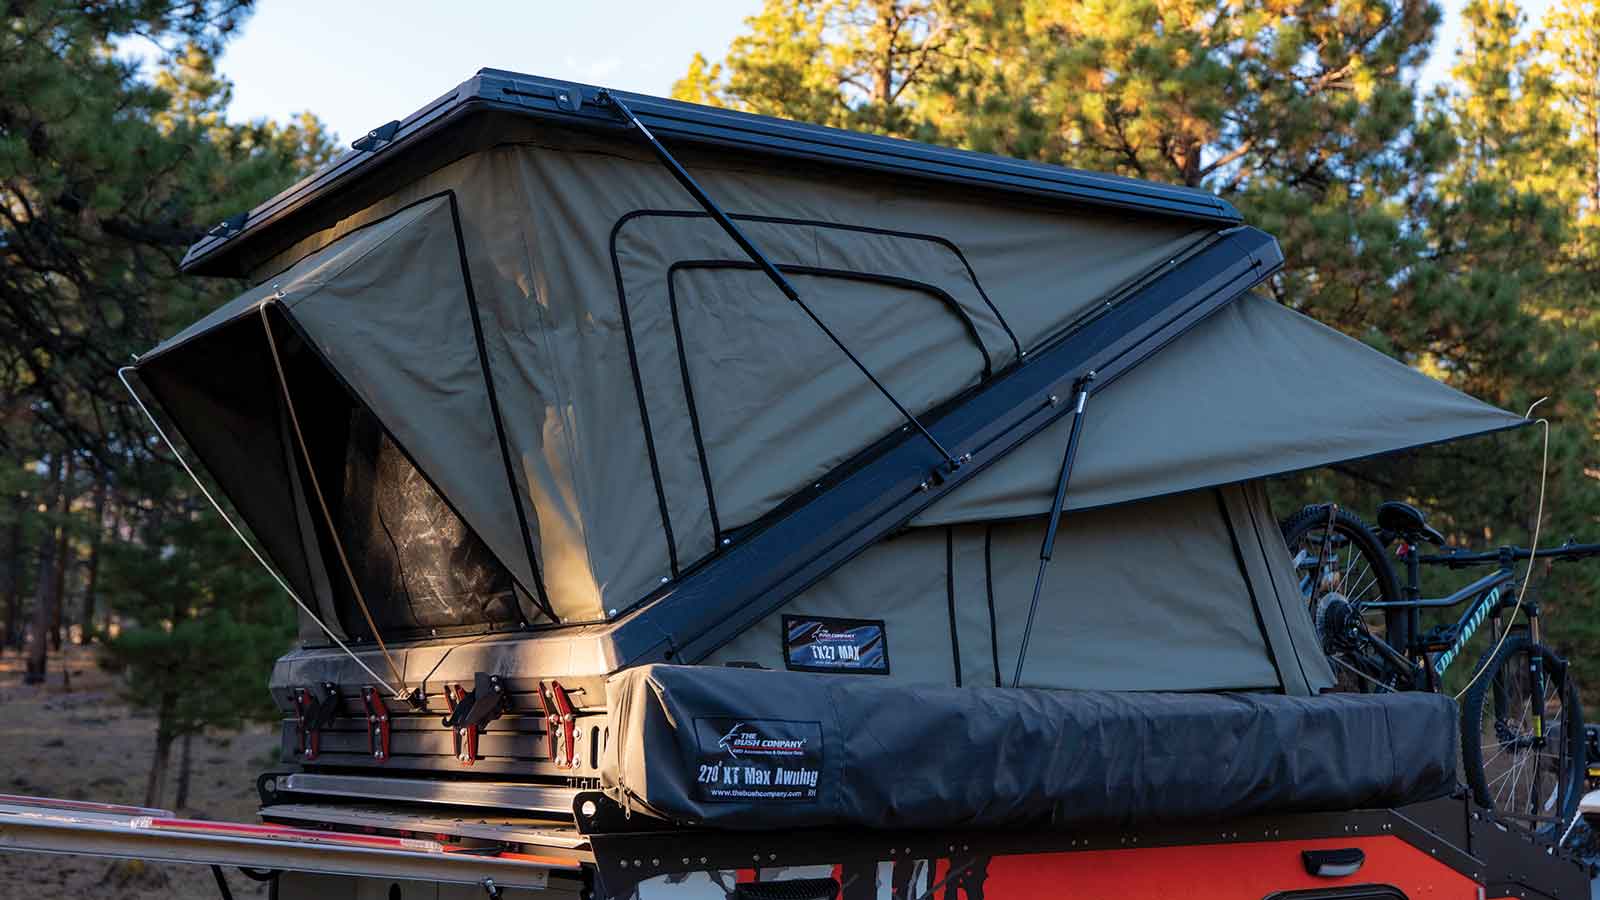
1522	737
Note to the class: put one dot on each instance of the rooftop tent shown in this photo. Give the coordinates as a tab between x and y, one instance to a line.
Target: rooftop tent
510	333
608	310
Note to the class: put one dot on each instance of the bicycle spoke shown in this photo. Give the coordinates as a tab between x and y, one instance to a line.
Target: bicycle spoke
1359	595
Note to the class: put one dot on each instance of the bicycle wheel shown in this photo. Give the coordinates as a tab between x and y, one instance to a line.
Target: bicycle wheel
1529	769
1341	567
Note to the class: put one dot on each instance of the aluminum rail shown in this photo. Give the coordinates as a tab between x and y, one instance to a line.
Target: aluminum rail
407	148
40	828
488	794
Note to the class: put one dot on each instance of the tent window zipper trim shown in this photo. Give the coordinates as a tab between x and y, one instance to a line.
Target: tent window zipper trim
952	246
673	562
932	290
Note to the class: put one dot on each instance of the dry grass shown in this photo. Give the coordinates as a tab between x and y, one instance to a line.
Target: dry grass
85	744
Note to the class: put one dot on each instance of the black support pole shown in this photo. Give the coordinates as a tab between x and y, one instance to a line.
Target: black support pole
1056	505
606	98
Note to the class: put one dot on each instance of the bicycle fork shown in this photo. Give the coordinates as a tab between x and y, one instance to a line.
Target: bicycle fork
1536	680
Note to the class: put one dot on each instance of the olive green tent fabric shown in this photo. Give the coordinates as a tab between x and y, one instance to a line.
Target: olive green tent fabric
387	309
1256	389
655	393
579	250
1175	593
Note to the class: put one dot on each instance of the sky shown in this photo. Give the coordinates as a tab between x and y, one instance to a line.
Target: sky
360	63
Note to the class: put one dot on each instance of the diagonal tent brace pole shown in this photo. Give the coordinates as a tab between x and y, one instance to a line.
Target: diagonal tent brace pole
606	98
1056	505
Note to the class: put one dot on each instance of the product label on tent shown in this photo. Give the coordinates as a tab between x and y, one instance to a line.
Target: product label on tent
745	760
824	644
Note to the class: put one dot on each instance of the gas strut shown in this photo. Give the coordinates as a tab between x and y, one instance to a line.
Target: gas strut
606	98
1056	504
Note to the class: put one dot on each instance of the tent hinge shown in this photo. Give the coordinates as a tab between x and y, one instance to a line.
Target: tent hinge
377	138
230	226
472	711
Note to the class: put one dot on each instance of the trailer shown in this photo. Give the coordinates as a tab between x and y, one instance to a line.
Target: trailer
311	846
668	494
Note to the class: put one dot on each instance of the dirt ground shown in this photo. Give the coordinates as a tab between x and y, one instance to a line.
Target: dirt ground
83	743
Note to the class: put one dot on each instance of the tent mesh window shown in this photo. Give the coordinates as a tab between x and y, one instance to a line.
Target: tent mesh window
421	570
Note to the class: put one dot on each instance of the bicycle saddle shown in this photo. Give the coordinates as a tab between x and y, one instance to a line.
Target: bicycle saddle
1408	522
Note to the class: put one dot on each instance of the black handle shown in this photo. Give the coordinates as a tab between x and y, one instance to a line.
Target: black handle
1333	863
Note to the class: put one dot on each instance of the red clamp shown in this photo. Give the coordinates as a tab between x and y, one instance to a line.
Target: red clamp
377	723
314	710
560	729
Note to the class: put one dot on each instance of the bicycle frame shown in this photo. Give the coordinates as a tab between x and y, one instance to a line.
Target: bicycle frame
1423	660
1448	643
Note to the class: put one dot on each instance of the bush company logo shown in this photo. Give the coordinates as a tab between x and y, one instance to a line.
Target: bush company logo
745	740
823	634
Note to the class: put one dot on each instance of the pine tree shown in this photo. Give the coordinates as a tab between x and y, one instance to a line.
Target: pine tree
847	63
109	168
203	624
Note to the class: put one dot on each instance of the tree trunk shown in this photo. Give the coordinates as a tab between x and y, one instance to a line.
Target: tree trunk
39	637
185	768
13	574
155	786
59	578
92	576
883	74
166	730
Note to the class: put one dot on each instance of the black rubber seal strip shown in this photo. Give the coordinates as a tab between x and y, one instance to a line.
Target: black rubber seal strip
950	596
988	583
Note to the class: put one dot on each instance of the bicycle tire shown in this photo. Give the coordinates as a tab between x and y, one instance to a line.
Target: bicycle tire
1362	539
1493	691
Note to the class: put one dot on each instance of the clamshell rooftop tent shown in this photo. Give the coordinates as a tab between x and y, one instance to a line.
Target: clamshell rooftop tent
564	425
